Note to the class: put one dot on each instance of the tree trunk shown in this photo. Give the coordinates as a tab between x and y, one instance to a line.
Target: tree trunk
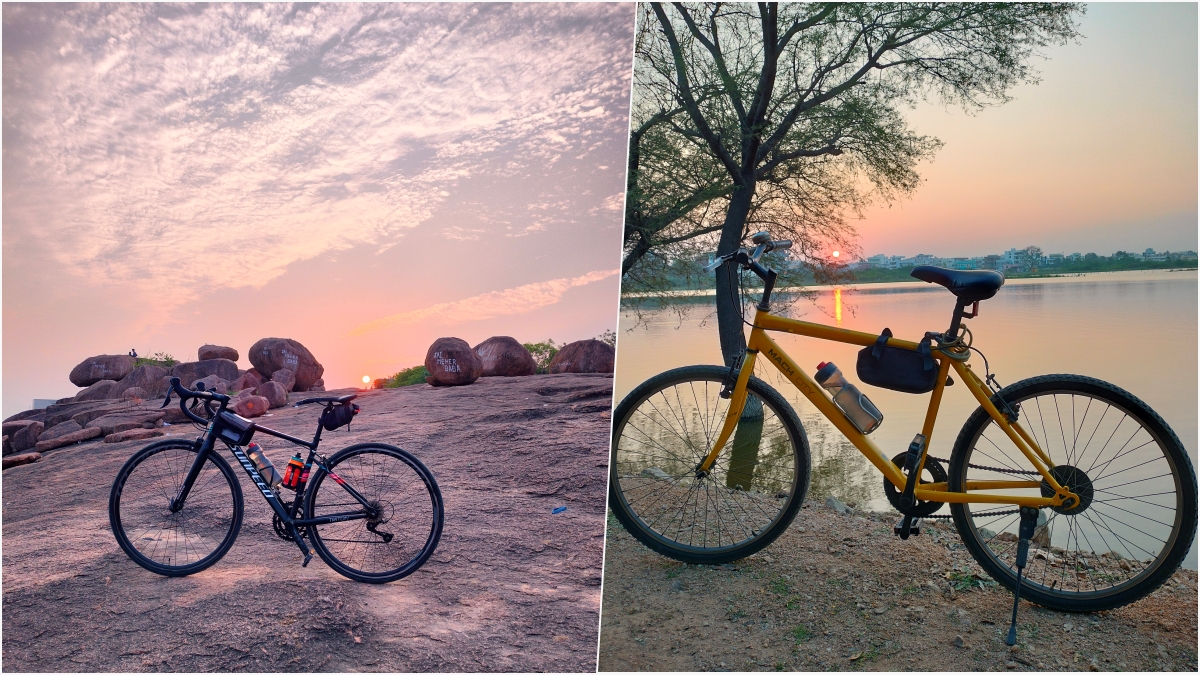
729	318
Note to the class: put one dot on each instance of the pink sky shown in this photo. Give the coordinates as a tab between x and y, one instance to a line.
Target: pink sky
175	176
1100	156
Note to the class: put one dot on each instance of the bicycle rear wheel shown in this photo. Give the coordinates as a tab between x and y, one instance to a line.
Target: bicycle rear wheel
406	510
1137	514
662	431
186	541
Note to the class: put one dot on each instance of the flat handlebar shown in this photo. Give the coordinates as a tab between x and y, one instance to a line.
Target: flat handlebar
747	257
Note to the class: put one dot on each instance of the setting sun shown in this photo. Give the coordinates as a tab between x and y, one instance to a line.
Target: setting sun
366	379
836	253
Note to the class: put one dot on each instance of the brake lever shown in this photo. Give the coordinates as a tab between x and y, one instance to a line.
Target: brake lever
166	401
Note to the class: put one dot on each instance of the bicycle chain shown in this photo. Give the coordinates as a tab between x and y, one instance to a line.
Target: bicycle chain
986	468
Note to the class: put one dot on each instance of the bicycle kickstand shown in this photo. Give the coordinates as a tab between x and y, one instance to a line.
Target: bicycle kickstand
1029	517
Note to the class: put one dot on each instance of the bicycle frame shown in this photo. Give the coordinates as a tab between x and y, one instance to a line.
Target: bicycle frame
208	445
760	342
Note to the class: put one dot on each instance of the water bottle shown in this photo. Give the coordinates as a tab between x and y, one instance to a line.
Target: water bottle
858	408
264	465
291	473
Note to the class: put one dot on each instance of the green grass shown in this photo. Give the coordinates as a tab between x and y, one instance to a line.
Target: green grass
406	378
162	359
779	586
801	633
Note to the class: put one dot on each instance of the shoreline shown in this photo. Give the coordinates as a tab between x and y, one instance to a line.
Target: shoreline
877	286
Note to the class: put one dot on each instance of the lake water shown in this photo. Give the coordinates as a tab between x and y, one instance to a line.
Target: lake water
1137	330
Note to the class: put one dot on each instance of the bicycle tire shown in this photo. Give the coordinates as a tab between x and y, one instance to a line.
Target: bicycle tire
754	500
396	483
1131	567
140	505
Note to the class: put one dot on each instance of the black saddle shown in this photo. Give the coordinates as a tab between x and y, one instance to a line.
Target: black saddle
968	285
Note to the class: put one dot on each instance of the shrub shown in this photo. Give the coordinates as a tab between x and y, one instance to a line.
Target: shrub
543	353
608	337
406	377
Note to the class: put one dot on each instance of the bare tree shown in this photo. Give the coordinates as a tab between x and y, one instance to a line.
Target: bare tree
798	108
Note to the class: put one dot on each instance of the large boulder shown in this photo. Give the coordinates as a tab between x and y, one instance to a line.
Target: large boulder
319	386
68	439
274	392
503	356
68	427
195	370
209	352
22	434
584	356
251	406
285	377
104	367
147	378
136	394
451	361
271	354
97	392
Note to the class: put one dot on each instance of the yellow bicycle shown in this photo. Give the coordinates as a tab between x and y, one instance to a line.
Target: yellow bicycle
1066	489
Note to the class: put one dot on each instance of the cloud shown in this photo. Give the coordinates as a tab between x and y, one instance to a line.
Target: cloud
519	300
212	146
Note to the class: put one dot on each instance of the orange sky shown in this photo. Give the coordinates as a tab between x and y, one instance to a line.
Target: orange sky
361	178
1100	156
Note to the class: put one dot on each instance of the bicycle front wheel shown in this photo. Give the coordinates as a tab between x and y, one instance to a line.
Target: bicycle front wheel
1137	488
184	541
663	430
405	515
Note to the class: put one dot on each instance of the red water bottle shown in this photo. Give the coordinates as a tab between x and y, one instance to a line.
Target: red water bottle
291	474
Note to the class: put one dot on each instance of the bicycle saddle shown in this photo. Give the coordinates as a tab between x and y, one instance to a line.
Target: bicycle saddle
329	399
968	285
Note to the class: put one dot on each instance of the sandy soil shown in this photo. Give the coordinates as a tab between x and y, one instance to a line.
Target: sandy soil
511	587
836	592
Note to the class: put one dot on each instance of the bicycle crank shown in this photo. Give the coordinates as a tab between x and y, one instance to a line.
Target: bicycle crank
281	530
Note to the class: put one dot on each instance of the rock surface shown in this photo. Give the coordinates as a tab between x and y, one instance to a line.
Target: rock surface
271	354
503	356
190	372
507	571
285	377
274	392
584	356
250	405
451	361
209	352
97	391
122	421
67	427
69	439
134	394
23	435
211	383
247	380
104	367
24	458
147	378
133	435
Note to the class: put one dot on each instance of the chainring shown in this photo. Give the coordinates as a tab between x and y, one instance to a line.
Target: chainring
281	530
920	509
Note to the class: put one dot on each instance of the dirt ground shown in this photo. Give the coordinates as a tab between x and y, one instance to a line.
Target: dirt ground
511	587
841	592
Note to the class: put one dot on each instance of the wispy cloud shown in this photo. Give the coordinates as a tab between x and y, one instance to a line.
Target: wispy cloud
519	300
212	146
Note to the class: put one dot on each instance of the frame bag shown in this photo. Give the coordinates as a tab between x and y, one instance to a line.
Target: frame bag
912	372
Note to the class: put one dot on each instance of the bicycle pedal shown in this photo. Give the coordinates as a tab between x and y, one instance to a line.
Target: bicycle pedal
307	558
914	527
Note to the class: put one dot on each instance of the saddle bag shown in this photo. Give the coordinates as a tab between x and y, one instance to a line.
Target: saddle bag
338	416
898	369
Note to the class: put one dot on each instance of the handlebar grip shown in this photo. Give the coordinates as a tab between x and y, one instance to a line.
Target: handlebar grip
781	244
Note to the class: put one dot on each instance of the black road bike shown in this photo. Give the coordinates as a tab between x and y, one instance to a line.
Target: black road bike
373	512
